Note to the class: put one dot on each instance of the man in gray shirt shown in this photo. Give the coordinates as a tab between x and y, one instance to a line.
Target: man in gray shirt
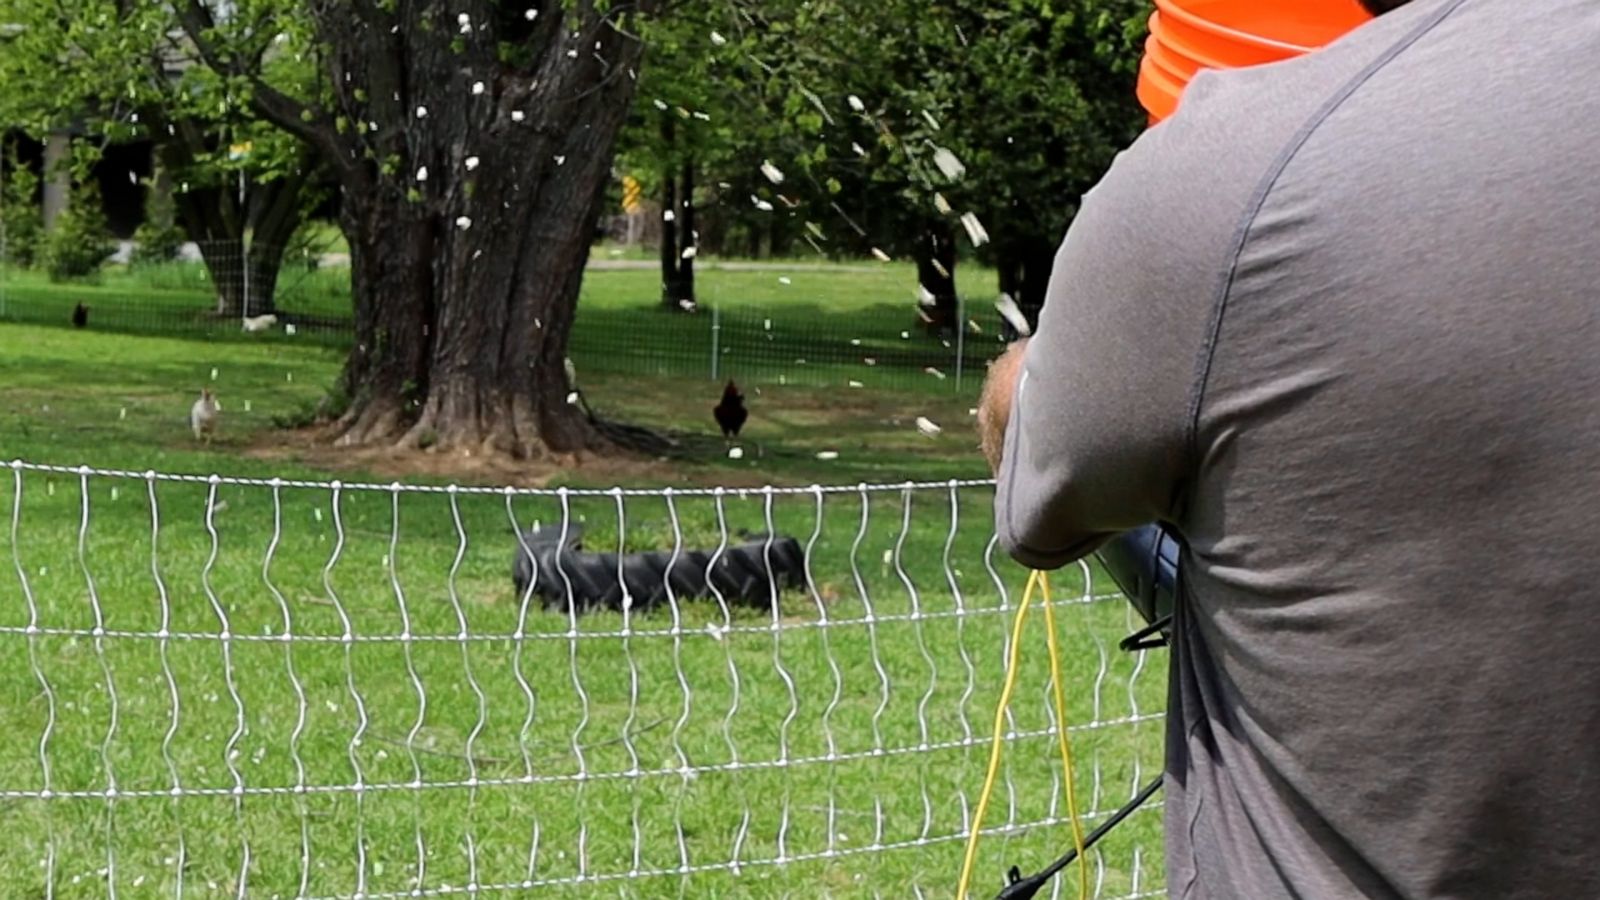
1335	324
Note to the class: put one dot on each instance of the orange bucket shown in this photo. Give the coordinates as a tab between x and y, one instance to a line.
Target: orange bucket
1189	35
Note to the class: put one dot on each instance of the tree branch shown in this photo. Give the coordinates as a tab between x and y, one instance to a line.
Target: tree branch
282	110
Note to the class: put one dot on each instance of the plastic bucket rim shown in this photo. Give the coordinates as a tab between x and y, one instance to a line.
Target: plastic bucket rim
1175	45
1159	99
1156	74
1159	54
1193	20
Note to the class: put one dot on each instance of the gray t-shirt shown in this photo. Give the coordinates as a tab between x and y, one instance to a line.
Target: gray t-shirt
1336	323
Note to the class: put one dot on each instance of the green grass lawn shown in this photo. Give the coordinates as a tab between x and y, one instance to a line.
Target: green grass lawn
810	323
852	750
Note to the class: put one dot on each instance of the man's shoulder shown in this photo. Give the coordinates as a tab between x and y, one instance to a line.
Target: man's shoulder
1235	126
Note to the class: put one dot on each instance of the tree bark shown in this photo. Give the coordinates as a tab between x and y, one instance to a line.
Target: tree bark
273	211
385	378
669	235
678	235
212	217
689	236
465	284
677	229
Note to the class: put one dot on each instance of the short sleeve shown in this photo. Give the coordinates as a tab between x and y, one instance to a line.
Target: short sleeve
1099	441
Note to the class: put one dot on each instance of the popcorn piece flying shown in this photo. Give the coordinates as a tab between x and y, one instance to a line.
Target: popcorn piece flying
948	164
1013	314
975	230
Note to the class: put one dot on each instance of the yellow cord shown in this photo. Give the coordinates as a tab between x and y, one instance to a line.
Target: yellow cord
1042	581
999	739
1061	733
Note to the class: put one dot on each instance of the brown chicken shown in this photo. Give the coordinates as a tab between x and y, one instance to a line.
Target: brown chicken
730	413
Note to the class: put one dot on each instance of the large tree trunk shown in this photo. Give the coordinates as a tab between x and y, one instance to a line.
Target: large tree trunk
461	341
273	211
938	305
386	374
212	217
465	284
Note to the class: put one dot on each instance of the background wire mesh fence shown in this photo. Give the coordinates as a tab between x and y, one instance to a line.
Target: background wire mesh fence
827	328
209	291
259	688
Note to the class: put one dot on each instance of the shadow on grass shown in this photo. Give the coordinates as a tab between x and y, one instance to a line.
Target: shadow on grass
838	341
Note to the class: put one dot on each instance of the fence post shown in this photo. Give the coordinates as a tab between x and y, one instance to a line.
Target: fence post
716	340
244	253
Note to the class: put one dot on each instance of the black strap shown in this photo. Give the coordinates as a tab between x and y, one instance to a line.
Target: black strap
1019	888
1149	637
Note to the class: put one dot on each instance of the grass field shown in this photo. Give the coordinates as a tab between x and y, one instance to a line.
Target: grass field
769	323
603	745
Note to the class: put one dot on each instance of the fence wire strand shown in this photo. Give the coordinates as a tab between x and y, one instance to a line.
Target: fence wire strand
692	686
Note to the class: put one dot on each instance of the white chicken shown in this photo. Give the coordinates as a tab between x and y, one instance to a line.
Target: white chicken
204	414
256	324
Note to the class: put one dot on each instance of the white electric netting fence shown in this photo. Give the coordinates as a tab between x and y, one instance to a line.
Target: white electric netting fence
267	688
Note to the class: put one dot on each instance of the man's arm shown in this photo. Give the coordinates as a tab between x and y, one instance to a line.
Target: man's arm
1091	422
994	409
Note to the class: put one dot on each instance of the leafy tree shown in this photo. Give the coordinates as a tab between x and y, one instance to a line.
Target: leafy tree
472	145
899	125
729	101
19	208
158	238
253	225
120	71
80	242
1003	117
685	126
1059	80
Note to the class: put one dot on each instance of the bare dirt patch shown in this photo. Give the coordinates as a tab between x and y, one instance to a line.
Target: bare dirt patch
795	436
313	446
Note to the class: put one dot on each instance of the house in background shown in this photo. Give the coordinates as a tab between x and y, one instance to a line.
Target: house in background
122	174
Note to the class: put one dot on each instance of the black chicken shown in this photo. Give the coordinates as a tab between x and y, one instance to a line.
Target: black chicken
730	413
80	316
